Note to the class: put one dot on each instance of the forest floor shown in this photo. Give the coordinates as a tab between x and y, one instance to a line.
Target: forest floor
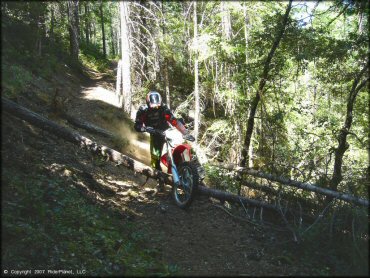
201	241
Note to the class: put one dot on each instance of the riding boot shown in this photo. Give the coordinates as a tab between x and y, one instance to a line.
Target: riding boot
160	181
160	185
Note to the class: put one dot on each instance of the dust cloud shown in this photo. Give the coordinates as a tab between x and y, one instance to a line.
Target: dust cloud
134	146
137	148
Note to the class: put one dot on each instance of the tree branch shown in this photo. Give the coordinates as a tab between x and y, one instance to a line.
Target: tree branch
343	10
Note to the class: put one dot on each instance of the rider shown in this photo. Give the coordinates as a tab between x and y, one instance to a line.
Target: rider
157	115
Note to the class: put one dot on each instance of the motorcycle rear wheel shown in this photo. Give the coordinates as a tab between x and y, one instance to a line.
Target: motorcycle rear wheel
184	192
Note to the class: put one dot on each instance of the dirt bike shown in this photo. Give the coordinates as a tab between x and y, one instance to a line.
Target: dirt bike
182	163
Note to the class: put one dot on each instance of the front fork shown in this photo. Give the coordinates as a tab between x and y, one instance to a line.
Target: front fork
175	175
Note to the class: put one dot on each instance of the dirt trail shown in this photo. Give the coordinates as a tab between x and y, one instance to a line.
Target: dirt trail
203	240
99	95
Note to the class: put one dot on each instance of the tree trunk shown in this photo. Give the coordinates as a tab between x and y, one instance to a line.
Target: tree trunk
91	31
246	30
87	24
37	23
80	29
255	101
226	20
126	63
306	186
165	62
41	34
94	32
143	38
118	36
52	24
102	28
342	137
246	39
309	187
226	196
239	141
167	83
73	28
196	75
113	51
119	80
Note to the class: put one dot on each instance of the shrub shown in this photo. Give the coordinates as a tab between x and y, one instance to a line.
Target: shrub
15	78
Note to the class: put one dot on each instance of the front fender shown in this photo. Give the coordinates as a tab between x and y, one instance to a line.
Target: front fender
181	153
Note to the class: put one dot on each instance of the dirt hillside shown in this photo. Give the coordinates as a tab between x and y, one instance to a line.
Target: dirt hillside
203	240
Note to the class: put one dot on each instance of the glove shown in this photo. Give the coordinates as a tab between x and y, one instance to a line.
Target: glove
150	130
143	129
189	137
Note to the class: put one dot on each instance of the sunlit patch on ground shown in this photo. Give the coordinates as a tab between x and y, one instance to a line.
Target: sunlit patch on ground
102	94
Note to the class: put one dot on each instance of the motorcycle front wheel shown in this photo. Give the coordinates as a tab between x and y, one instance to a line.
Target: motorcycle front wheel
184	192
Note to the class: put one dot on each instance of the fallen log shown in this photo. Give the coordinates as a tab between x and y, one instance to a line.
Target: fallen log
306	186
113	155
222	195
276	194
74	137
310	187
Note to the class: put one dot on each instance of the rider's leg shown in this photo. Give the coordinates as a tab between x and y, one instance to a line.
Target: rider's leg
156	146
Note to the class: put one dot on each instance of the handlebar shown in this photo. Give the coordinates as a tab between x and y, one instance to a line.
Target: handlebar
159	132
189	137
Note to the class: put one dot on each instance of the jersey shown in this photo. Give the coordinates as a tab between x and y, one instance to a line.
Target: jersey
156	118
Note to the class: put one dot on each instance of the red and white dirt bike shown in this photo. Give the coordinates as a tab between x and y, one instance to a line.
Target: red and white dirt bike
181	161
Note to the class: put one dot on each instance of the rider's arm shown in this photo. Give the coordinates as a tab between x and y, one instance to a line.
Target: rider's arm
173	121
140	119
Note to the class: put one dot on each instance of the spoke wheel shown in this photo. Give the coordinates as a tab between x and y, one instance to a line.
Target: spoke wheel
183	193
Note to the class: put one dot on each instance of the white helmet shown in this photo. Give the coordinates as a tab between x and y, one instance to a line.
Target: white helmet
153	99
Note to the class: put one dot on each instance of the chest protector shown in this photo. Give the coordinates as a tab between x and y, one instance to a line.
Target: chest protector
154	117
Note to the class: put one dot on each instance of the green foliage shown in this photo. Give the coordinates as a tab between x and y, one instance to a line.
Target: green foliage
303	103
15	79
49	225
220	137
221	178
302	107
89	61
339	242
92	57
